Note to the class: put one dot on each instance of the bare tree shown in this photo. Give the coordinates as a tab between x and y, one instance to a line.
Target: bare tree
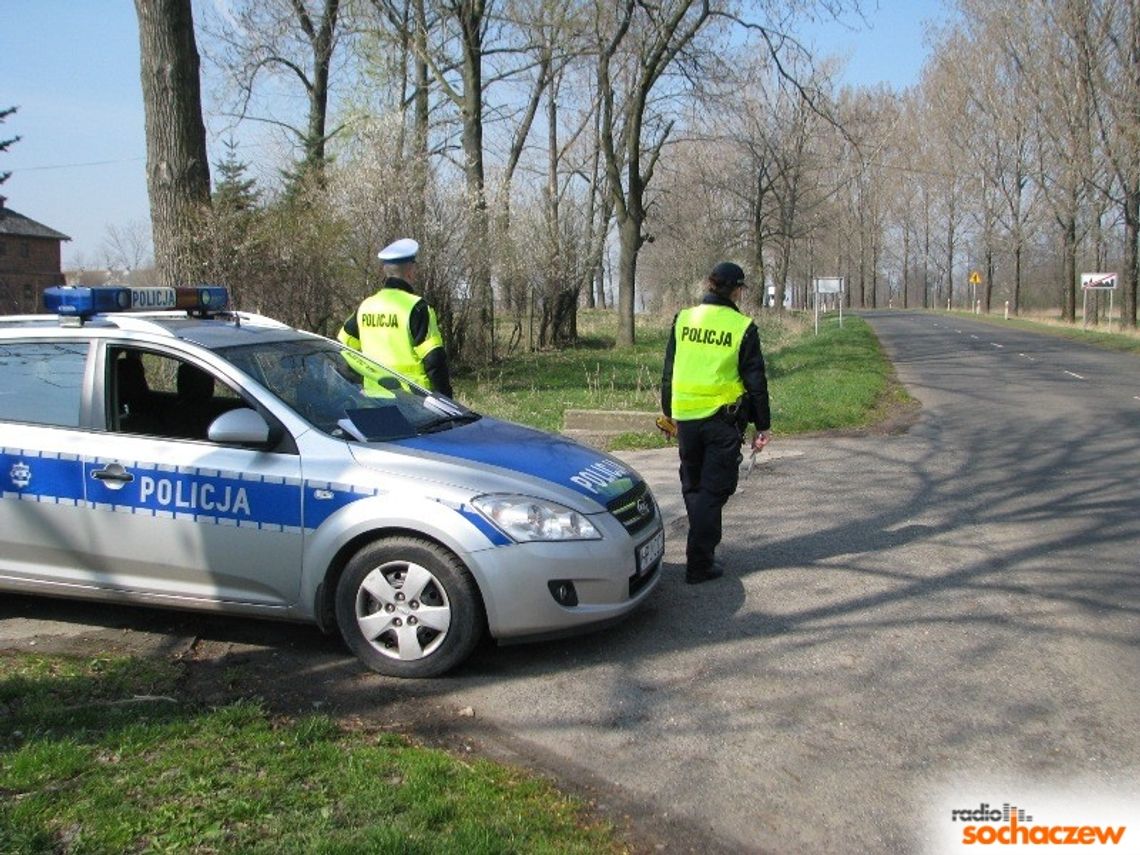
946	95
291	40
1045	46
178	173
776	127
127	247
1108	39
467	48
637	43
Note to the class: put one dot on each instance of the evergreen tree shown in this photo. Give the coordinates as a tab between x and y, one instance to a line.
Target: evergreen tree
4	114
232	190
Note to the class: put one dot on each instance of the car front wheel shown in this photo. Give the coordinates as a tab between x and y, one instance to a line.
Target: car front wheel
408	608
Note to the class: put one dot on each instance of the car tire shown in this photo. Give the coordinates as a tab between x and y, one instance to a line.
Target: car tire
408	608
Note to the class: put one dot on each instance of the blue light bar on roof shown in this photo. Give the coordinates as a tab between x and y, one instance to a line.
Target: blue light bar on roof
84	302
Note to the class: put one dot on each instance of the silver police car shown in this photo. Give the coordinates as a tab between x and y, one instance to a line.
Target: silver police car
158	449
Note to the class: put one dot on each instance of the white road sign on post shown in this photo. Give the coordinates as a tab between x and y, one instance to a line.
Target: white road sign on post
828	285
1098	282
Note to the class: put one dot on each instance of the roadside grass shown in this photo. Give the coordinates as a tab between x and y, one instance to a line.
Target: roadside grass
1126	341
837	379
536	388
105	755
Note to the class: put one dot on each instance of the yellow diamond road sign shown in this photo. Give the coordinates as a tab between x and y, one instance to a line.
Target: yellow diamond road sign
975	279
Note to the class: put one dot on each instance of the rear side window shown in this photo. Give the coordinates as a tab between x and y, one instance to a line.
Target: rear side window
42	382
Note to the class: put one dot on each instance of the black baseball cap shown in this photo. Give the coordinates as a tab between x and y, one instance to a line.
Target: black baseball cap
728	276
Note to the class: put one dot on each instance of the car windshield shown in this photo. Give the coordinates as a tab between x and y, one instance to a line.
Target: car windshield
343	393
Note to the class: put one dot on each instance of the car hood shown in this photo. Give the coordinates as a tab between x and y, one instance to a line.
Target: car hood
495	456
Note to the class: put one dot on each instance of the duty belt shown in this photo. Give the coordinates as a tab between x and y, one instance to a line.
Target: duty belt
731	413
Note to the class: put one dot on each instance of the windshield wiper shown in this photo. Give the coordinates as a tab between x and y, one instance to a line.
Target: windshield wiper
444	422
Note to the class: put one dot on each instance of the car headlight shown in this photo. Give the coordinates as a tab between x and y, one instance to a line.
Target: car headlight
525	518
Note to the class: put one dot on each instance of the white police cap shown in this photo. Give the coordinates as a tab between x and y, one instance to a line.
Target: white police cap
399	251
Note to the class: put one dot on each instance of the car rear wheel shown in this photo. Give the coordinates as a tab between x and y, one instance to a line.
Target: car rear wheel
408	608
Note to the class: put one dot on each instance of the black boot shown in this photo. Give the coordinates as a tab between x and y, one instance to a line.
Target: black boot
695	576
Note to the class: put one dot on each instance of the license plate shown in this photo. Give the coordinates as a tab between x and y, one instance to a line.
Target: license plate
649	552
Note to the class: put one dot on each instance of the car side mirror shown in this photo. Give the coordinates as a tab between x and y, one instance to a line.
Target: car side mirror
242	426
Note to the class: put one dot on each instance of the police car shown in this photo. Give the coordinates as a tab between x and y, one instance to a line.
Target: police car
159	449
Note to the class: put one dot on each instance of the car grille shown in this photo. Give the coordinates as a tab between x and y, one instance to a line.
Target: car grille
634	509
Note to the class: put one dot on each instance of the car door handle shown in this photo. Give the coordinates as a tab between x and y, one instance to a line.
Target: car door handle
114	472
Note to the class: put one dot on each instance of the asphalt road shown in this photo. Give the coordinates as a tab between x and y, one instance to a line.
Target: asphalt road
953	609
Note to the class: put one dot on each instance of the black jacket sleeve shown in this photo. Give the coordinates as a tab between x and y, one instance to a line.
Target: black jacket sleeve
418	323
435	363
667	372
435	366
751	366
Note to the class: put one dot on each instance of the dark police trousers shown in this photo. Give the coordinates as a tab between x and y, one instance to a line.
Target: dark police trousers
710	468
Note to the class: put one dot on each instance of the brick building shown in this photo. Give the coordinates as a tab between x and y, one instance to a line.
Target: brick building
29	261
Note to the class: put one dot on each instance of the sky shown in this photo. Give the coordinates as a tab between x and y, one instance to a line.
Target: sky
72	69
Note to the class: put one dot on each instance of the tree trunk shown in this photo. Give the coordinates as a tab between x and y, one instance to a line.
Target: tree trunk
925	251
862	258
761	274
950	260
874	266
1131	260
629	239
322	40
906	265
987	290
783	265
471	22
421	117
1018	251
1069	274
178	173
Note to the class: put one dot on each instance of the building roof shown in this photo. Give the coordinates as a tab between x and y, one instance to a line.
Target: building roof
17	225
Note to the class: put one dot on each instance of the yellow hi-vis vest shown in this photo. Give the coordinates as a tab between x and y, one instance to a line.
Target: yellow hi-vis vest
706	373
382	321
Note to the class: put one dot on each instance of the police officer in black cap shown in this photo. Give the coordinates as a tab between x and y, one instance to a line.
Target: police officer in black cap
713	384
396	327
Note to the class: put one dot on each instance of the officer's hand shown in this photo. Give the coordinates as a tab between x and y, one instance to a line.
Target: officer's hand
761	439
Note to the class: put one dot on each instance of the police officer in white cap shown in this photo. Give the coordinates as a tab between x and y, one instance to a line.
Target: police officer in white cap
397	328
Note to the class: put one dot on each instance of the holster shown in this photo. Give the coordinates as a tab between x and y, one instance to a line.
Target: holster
738	413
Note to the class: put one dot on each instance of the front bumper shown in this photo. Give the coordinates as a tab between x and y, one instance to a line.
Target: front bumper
515	581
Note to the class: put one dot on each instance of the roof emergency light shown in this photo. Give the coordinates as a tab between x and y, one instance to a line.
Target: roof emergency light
83	302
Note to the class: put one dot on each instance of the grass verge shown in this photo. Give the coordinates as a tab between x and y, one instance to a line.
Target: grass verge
536	388
104	755
837	379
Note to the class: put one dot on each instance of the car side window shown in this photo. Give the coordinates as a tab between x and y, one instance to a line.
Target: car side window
42	382
160	395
